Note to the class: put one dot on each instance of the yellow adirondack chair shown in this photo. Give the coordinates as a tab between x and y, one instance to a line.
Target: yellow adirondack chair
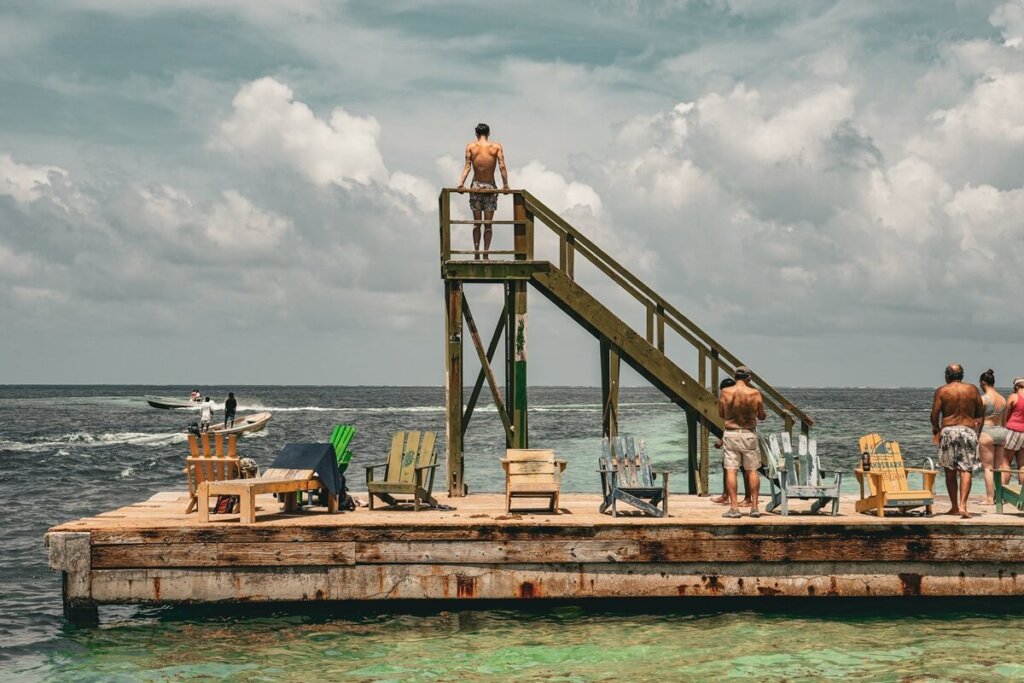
886	481
532	473
409	471
217	465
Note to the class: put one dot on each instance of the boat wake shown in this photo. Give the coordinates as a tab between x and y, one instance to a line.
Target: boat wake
89	440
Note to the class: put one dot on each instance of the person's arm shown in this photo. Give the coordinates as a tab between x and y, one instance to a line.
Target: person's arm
979	410
761	415
469	165
936	413
1008	408
721	405
501	167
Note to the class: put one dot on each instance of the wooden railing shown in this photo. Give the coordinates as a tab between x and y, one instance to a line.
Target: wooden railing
713	360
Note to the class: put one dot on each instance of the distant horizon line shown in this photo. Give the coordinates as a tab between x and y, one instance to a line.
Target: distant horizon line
417	386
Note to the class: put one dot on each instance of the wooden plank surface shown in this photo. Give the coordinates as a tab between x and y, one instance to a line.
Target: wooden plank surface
244	554
415	582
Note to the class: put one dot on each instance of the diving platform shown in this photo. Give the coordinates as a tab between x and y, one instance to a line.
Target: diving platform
688	377
153	552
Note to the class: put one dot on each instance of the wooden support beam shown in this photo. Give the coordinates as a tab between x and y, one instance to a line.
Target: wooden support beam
610	364
481	378
693	465
517	362
453	387
485	369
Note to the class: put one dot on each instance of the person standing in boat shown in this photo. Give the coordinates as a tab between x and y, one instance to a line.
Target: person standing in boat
229	409
205	415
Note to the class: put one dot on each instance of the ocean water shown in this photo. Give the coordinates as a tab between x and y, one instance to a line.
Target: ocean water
73	451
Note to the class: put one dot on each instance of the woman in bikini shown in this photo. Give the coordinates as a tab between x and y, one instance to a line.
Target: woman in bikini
1013	449
993	433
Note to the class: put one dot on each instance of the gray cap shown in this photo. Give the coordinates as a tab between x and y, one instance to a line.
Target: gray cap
742	372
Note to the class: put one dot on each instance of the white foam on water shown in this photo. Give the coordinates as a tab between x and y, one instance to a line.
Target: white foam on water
89	440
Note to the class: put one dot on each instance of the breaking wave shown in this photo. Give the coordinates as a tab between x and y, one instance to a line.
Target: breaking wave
89	440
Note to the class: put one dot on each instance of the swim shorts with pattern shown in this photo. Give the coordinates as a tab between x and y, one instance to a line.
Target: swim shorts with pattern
483	202
958	449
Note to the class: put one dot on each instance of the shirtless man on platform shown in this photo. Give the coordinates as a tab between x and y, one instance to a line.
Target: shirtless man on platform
740	407
482	156
957	416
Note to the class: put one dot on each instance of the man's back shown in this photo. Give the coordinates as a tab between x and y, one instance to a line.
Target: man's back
741	406
960	404
484	155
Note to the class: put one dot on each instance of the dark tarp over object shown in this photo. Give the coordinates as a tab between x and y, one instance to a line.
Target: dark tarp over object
312	456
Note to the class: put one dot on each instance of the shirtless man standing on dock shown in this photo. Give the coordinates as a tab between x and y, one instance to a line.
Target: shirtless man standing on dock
740	407
482	156
957	416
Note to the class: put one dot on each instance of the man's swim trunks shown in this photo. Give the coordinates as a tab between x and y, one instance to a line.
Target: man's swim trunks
483	202
741	449
958	449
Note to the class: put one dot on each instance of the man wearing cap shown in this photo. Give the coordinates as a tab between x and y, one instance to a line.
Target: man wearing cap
957	417
740	407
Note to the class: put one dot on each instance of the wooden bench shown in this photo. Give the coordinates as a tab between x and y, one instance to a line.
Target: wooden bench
532	473
286	482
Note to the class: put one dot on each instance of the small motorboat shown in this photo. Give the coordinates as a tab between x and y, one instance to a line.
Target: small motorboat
243	424
169	403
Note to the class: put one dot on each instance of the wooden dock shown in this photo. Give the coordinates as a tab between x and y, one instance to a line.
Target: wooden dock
152	552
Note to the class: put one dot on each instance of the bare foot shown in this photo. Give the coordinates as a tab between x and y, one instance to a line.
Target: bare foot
951	511
720	500
965	514
745	503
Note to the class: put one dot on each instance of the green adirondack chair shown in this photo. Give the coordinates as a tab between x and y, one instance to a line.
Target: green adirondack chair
1012	494
341	437
409	470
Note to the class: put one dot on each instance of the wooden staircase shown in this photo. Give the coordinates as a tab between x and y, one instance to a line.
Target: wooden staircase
643	350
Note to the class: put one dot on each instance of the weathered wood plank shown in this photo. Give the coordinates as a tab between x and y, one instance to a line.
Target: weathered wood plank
222	555
484	552
382	582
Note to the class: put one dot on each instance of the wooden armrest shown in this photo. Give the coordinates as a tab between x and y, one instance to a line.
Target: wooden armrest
428	467
373	467
919	470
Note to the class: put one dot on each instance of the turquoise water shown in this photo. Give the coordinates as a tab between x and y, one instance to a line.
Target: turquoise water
559	644
69	452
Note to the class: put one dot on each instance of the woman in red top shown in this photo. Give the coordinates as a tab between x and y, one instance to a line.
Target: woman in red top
1014	423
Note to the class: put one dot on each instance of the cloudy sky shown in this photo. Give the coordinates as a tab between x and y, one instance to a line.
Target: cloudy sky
200	191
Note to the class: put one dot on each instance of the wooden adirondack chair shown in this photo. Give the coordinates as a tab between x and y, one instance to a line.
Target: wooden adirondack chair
886	482
1007	493
409	470
341	437
801	478
532	473
627	476
206	466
